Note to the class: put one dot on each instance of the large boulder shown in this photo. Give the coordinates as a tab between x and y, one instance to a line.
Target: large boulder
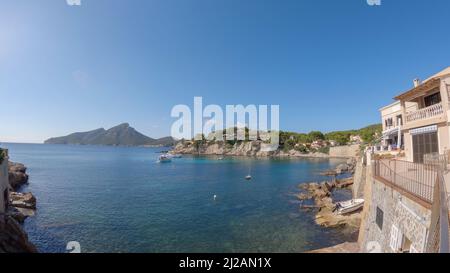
341	168
22	200
17	175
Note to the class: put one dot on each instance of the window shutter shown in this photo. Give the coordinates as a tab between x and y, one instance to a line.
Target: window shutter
394	238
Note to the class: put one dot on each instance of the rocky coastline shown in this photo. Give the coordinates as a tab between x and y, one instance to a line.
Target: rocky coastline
244	148
321	195
13	239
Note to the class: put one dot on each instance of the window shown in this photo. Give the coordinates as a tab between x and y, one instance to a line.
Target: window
379	219
389	122
424	144
399	120
432	99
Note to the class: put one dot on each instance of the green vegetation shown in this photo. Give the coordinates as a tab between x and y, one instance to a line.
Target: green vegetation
368	134
314	141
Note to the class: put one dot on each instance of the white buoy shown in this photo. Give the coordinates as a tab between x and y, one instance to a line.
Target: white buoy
215	197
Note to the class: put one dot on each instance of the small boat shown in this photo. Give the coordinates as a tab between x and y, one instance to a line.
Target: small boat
248	177
349	206
164	159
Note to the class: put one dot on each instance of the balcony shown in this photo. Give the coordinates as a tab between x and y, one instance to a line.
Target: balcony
432	111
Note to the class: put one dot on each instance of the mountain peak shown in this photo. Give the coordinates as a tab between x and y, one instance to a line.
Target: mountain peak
120	135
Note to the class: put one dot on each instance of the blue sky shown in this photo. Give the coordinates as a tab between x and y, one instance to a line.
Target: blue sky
329	64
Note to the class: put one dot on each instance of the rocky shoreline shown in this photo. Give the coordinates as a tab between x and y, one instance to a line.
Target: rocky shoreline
21	205
321	194
13	239
249	148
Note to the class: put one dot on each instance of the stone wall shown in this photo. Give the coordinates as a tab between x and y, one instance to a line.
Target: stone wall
410	220
345	151
3	183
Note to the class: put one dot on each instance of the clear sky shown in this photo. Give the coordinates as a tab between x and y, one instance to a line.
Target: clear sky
328	64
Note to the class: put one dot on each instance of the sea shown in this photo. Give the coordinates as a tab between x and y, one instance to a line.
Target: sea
121	199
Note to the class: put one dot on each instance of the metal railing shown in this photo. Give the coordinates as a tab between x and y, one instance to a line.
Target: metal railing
438	237
426	183
416	179
439	160
425	113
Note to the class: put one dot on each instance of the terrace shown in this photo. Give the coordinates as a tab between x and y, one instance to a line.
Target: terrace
425	184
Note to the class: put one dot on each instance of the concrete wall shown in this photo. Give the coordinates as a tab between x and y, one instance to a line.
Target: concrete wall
359	179
345	151
410	219
3	183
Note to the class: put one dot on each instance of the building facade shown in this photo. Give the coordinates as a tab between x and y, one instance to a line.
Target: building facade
407	200
425	109
392	121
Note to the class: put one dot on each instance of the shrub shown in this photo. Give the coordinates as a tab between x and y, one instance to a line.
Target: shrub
302	149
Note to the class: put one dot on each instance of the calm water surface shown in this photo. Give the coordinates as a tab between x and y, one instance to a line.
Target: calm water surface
118	199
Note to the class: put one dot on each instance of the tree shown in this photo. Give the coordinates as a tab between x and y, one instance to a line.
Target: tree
316	135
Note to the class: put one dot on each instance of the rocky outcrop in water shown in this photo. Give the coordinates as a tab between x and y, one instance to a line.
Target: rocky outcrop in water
17	175
321	194
22	200
13	238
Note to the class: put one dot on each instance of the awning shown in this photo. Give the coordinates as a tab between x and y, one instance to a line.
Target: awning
424	130
388	133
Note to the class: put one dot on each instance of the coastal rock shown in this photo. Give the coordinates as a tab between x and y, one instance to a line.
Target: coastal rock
344	183
304	196
341	168
321	193
13	238
20	214
17	175
255	148
22	200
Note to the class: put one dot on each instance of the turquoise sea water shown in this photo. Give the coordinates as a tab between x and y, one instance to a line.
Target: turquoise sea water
118	199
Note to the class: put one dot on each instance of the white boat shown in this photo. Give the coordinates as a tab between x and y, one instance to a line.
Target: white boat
164	159
349	206
248	177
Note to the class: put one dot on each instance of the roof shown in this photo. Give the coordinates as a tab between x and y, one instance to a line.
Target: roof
427	84
389	106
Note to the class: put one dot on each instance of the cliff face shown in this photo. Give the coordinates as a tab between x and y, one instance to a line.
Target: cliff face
12	237
253	148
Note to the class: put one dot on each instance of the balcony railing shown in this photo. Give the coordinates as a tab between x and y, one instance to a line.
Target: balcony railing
425	113
439	160
426	183
438	237
417	180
